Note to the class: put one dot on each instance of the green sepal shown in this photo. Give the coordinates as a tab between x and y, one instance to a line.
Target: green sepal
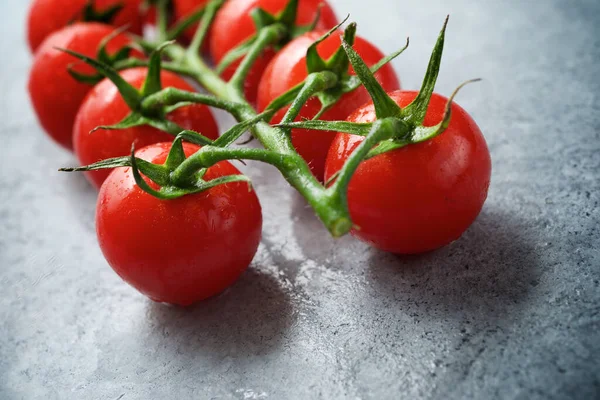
417	109
157	173
130	95
176	154
194	137
89	79
314	62
299	30
352	82
261	18
139	180
339	62
104	164
153	84
131	120
384	105
289	13
421	133
168	191
355	128
236	131
102	56
90	14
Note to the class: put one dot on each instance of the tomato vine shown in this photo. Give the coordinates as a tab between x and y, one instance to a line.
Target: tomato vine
395	127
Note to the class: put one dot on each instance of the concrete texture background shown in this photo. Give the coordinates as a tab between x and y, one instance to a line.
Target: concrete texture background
511	310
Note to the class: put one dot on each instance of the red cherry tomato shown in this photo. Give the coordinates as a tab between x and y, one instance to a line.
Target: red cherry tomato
55	94
178	251
183	9
105	106
233	25
48	16
420	197
288	68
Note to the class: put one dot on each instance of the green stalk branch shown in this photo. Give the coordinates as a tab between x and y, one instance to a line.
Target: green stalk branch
171	96
382	129
278	151
266	37
209	14
314	83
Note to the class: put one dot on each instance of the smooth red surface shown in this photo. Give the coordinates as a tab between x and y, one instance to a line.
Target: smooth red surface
233	25
48	16
288	68
105	106
178	251
56	95
420	197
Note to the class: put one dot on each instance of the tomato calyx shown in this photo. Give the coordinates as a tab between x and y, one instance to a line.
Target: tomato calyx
123	54
286	23
342	83
409	126
161	174
179	175
153	112
89	13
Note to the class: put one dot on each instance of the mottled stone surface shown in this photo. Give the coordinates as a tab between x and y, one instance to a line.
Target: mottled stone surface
511	310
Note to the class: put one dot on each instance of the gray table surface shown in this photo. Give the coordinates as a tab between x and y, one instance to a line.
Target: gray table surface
511	310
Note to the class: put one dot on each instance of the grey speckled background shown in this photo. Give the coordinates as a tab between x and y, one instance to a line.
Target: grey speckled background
511	310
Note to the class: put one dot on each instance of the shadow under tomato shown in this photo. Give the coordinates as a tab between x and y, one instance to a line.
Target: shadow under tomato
485	276
316	242
249	319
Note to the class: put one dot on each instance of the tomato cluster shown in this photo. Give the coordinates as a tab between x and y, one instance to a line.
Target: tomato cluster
409	200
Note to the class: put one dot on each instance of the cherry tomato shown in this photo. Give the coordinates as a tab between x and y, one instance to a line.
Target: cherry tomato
233	25
48	16
105	106
420	197
178	251
55	94
288	68
183	9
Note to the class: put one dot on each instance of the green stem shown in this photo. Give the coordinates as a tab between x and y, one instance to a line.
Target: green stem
166	65
382	129
293	167
210	155
171	96
266	37
209	14
162	20
314	83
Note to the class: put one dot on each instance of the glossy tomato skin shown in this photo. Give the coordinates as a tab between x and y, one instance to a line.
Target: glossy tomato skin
233	25
48	16
105	106
288	68
55	94
420	197
178	251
